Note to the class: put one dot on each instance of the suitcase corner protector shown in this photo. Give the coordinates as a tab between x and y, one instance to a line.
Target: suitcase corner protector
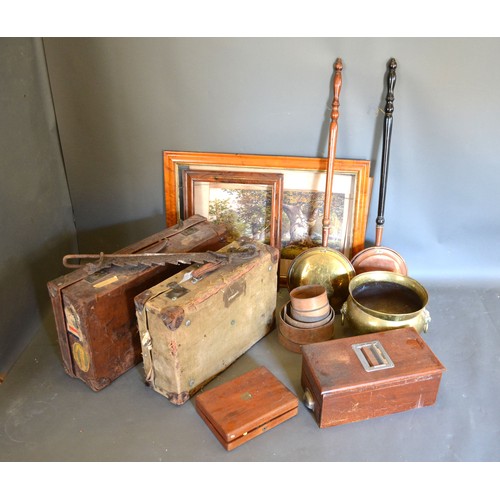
172	317
52	288
141	299
178	398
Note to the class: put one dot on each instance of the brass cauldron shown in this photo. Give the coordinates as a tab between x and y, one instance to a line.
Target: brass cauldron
384	300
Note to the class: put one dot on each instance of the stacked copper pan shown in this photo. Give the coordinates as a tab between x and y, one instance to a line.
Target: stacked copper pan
306	318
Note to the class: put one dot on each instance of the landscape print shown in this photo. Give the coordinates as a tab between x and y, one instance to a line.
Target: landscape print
245	210
302	221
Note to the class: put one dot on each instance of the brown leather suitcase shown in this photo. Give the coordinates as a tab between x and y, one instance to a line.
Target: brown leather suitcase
95	312
246	407
192	330
358	378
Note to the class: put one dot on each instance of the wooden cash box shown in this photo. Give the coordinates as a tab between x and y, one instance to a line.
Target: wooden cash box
246	407
358	378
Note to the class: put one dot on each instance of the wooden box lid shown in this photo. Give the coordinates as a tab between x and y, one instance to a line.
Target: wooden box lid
245	407
338	365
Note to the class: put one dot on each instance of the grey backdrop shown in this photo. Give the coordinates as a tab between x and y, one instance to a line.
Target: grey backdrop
37	220
120	102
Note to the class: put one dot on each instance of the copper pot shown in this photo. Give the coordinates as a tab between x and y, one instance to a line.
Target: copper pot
384	300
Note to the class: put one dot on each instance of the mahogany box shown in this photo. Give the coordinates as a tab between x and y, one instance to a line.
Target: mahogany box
357	378
246	407
95	311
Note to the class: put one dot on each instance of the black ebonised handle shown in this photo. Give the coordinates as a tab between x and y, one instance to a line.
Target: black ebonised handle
389	110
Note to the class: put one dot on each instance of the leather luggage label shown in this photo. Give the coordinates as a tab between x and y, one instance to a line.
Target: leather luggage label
189	231
98	276
107	282
72	321
189	235
105	277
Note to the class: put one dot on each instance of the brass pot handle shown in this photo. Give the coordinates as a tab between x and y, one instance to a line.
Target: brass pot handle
427	319
343	312
308	399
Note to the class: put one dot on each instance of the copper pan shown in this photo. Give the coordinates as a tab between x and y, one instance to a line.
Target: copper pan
379	258
323	265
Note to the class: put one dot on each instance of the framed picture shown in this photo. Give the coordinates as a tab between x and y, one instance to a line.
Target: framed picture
304	181
249	203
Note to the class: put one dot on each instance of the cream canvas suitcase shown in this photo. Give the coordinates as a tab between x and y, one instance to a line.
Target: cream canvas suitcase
193	329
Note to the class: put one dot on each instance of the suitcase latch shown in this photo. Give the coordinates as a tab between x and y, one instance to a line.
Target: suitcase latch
176	291
372	356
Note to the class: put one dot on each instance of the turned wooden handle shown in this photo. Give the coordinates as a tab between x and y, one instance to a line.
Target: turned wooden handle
332	148
389	110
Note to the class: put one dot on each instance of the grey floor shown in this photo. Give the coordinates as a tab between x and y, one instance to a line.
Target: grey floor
47	416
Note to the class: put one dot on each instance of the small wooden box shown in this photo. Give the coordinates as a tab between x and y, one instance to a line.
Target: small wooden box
357	378
246	407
